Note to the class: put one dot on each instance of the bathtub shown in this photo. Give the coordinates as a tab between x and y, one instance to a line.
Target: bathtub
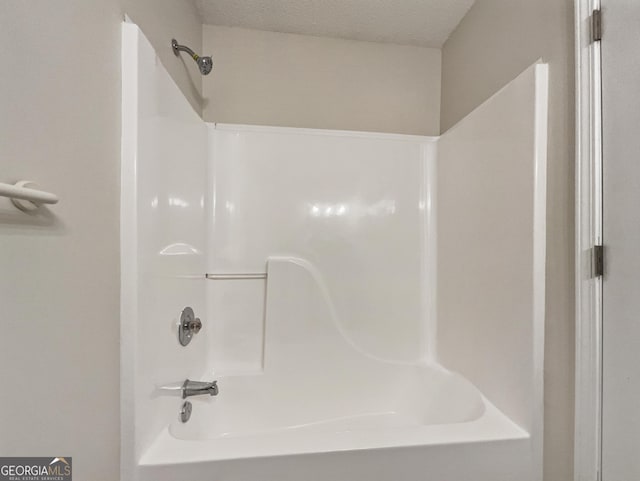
418	406
318	401
454	434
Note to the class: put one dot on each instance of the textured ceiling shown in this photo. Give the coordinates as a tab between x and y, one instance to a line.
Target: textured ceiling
427	23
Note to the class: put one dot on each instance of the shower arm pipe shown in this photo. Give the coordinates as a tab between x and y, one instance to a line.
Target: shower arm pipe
21	192
184	48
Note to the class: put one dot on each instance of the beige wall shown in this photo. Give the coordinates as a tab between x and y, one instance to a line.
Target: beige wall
59	292
289	80
494	42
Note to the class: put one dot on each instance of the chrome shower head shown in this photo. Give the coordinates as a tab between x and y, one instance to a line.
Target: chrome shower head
205	64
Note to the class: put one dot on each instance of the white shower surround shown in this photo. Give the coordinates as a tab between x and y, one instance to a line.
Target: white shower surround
331	368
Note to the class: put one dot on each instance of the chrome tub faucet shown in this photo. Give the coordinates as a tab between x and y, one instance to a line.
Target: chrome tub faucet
198	388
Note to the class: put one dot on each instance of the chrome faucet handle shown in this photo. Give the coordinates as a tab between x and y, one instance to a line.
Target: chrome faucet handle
195	325
189	326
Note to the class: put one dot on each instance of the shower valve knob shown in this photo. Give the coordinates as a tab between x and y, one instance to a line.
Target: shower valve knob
189	326
195	325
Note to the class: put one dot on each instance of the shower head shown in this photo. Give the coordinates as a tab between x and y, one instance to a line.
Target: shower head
205	64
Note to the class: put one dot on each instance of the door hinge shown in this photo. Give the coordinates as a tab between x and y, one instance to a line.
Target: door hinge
597	261
596	25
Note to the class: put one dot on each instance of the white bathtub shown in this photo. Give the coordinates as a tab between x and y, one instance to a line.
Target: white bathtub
319	398
255	416
378	445
398	422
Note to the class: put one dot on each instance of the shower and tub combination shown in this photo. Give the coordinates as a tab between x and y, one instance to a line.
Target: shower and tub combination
312	304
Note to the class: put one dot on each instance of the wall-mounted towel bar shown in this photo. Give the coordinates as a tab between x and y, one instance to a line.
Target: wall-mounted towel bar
25	197
236	277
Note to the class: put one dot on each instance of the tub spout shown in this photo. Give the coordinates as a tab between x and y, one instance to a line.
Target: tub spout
197	388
